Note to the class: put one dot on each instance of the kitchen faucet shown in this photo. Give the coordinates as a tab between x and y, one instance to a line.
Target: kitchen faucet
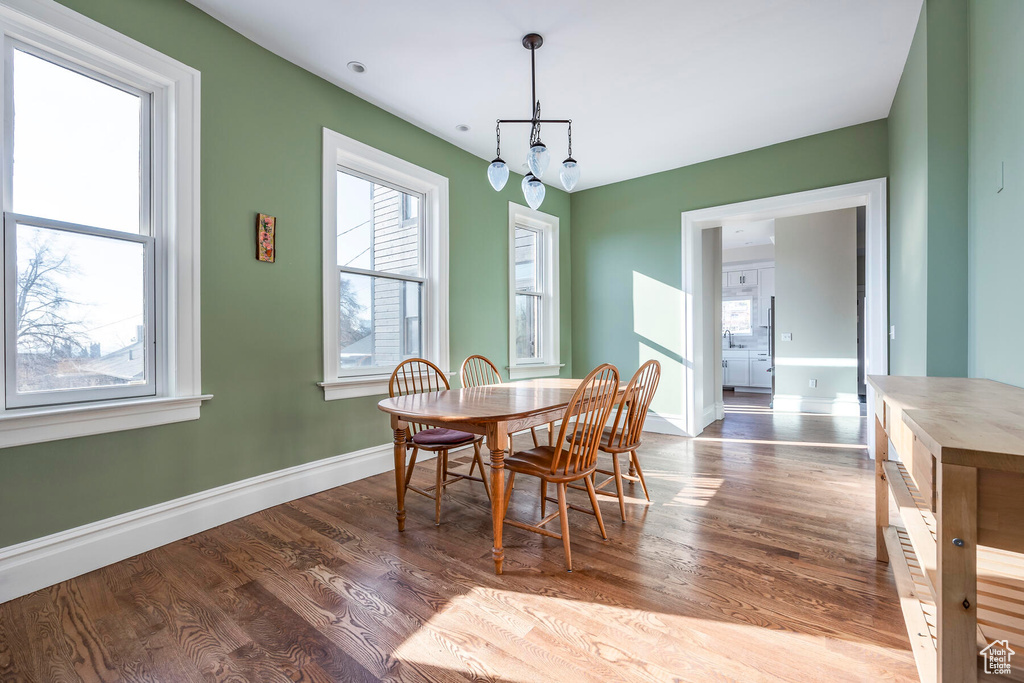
728	335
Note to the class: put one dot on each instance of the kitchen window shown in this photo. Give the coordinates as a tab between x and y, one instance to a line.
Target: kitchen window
533	288
100	229
737	316
385	267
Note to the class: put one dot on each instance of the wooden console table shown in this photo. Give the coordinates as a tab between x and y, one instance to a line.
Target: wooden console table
957	553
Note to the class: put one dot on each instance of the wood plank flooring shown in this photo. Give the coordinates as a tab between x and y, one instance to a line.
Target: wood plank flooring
754	562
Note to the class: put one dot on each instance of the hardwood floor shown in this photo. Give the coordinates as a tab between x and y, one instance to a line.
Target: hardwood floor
755	562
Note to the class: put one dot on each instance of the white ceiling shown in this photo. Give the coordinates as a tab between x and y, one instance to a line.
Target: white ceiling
738	235
650	84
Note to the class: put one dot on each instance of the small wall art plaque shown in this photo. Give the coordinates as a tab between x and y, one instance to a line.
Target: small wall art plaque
265	227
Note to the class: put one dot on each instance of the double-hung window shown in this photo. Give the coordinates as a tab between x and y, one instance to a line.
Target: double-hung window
79	296
385	266
533	289
100	229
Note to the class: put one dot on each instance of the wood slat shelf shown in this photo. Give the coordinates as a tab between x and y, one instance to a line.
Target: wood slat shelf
915	600
912	552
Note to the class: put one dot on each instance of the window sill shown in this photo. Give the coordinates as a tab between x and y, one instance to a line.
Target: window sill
534	371
354	387
35	425
362	385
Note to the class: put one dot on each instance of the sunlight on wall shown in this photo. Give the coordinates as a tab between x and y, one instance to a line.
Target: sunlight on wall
657	318
669	398
817	362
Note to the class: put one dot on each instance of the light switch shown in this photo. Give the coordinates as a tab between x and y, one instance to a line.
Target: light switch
813	384
787	336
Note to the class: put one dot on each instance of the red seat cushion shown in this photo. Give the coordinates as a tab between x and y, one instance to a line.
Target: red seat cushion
441	437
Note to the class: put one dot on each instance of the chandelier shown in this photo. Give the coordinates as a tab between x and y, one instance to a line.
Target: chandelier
539	157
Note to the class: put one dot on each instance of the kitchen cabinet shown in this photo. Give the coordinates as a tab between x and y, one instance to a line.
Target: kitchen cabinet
739	278
766	283
759	371
736	370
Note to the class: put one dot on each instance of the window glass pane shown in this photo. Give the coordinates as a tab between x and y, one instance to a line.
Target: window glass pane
527	257
80	318
527	326
736	316
379	321
77	147
378	227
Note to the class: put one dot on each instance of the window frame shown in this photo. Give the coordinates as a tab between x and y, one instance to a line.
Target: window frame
72	40
351	156
547	364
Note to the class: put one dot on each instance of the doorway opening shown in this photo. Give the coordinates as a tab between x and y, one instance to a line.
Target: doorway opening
703	272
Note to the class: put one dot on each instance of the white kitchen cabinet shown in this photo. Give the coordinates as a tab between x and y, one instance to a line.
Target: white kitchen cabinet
759	372
766	284
739	278
736	372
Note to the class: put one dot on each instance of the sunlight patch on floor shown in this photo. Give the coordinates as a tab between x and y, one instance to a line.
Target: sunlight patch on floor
697	492
508	618
762	442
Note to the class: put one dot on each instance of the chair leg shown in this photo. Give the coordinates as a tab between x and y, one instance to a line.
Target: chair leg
632	466
508	490
477	459
563	513
440	488
618	485
640	473
543	498
533	432
597	508
412	466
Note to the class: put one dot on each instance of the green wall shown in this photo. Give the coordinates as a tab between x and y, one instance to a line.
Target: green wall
996	217
262	119
928	198
908	213
627	237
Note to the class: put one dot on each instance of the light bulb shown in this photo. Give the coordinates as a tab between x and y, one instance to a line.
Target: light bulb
538	159
497	173
533	190
570	174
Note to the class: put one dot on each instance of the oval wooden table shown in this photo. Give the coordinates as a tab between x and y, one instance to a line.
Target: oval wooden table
495	411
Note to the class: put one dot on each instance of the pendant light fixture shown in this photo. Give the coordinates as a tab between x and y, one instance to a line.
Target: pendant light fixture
539	157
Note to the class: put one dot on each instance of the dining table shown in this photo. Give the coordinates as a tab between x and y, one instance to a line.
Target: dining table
495	411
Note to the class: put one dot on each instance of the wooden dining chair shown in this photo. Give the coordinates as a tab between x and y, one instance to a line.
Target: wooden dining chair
419	376
626	434
479	370
572	458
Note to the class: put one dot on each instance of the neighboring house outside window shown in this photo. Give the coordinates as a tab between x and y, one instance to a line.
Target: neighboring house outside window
533	293
385	267
100	229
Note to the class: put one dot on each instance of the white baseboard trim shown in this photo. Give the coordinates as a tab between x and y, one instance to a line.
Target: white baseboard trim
666	424
42	562
810	404
710	415
720	410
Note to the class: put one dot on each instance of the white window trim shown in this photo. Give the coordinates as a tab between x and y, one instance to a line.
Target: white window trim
548	365
342	151
175	163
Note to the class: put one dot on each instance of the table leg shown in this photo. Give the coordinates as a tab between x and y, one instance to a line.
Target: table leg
881	492
399	428
957	589
497	443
